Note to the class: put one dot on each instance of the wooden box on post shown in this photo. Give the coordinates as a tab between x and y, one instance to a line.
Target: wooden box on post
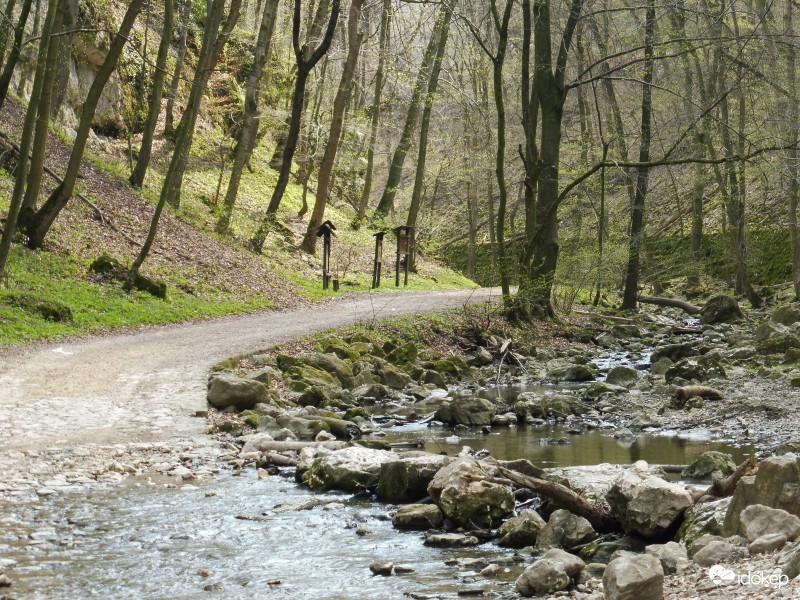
326	231
405	241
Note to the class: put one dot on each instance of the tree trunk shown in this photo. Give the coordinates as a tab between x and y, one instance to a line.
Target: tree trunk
383	50
61	81
629	300
306	60
16	48
154	110
354	39
5	28
169	118
41	131
45	216
250	122
386	203
792	154
214	41
430	96
10	226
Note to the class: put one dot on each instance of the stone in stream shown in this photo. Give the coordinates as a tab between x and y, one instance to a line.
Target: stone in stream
545	576
776	484
721	309
520	531
348	470
701	368
767	543
786	314
226	389
382	568
530	405
407	479
647	506
758	520
460	490
570	373
716	552
466	411
565	530
672	555
710	465
418	516
638	577
623	376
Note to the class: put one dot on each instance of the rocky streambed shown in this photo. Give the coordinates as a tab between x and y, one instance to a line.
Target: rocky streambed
369	465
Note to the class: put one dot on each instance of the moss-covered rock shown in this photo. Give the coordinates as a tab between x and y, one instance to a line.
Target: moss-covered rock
710	465
520	531
418	516
340	348
403	355
330	363
312	376
348	470
226	389
49	310
466	411
407	479
701	368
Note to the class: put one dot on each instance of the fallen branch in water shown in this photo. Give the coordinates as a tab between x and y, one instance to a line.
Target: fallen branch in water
724	487
566	498
671	302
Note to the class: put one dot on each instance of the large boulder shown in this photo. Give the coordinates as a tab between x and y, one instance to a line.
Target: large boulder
545	576
348	470
565	530
710	465
466	411
777	342
570	373
705	518
520	531
462	494
407	479
530	405
647	506
676	352
776	485
622	375
672	555
701	368
787	314
227	389
392	377
418	516
638	577
758	520
403	355
721	309
333	365
594	481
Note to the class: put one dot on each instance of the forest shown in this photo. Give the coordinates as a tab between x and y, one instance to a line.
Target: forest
565	152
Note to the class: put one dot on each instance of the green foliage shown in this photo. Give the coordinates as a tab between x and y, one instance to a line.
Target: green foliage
65	283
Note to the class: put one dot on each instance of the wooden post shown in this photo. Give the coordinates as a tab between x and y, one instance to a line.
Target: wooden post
325	231
404	235
377	264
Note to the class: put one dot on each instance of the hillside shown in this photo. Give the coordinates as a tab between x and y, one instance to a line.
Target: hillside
206	274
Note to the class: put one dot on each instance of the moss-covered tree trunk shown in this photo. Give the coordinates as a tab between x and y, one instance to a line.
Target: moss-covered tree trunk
169	117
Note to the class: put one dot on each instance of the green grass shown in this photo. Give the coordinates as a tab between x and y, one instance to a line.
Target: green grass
95	305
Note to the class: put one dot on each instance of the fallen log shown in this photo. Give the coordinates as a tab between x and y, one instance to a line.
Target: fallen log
277	459
304	505
724	487
671	302
296	446
566	498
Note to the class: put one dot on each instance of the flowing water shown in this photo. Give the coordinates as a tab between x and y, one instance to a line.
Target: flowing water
148	538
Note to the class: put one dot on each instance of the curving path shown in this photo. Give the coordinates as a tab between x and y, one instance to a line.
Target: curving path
146	386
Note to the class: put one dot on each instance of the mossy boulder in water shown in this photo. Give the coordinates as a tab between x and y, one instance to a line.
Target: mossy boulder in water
623	375
710	465
348	470
570	373
466	499
418	516
520	531
407	479
466	411
565	530
531	405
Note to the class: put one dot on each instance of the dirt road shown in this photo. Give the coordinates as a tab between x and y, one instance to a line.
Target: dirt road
146	386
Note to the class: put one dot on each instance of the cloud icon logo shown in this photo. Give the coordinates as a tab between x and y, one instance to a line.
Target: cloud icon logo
719	574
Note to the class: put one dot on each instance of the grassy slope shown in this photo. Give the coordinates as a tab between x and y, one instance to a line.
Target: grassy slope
207	275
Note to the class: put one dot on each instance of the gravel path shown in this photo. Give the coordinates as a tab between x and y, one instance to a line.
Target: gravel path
146	386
